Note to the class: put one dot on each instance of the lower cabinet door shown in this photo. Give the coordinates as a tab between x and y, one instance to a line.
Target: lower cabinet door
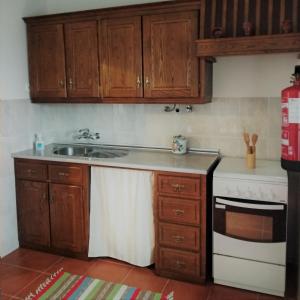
67	211
33	213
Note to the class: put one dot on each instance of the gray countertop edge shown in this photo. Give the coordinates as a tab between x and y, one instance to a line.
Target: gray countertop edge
95	162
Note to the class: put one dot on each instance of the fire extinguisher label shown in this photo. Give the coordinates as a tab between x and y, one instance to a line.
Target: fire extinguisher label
294	110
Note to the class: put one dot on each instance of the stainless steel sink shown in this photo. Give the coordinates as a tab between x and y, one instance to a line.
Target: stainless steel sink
73	151
89	151
111	153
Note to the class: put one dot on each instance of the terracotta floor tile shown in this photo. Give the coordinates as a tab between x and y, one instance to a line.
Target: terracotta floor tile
219	292
13	279
145	279
74	266
5	297
35	260
31	288
108	271
113	260
187	291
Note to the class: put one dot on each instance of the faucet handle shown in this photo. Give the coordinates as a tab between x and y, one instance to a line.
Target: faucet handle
84	130
97	135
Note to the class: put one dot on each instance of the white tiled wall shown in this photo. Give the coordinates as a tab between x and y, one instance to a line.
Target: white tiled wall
217	125
17	123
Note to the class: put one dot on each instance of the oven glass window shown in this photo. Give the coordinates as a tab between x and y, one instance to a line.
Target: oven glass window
249	227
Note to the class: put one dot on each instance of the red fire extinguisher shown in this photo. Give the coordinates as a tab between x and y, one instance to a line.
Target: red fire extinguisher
290	130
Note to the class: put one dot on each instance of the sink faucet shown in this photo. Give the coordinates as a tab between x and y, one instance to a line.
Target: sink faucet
86	134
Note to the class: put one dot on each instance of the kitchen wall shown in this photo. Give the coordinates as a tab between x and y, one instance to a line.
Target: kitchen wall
17	116
246	95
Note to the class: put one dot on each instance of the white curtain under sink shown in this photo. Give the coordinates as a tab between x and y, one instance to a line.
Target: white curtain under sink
121	215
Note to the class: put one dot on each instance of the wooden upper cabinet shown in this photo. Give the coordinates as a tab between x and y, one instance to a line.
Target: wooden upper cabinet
121	57
170	63
47	61
82	59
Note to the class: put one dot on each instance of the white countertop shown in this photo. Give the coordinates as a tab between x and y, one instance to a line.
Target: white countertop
146	159
266	170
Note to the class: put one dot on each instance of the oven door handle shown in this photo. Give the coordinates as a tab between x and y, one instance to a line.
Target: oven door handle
249	205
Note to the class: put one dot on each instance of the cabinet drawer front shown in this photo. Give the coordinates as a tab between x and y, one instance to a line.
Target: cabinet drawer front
180	186
183	237
179	210
63	174
31	171
180	262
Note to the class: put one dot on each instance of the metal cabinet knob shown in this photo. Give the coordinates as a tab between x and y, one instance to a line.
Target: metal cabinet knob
70	83
138	82
147	81
61	83
178	212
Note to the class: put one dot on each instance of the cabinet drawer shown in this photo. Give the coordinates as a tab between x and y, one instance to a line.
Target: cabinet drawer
183	237
180	262
64	174
179	210
29	170
179	186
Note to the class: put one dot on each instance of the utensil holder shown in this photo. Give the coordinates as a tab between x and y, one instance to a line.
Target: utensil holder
251	160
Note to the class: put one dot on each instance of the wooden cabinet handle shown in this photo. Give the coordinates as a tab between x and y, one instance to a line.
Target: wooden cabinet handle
180	264
63	174
178	238
178	187
147	81
61	83
30	171
178	212
70	83
138	82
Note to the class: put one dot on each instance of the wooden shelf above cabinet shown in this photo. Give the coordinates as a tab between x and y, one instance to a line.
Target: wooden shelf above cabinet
277	43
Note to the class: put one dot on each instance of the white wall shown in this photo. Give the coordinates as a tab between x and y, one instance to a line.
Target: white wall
17	115
59	6
219	124
13	54
253	76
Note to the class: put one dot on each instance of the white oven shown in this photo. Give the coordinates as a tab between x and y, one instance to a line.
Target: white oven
248	229
249	233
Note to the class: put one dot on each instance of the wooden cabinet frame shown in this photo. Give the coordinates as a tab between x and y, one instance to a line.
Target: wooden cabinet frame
53	190
201	223
199	78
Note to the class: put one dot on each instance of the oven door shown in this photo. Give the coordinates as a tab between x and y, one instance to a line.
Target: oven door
253	230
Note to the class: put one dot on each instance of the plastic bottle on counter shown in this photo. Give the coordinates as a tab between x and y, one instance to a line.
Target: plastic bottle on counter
39	145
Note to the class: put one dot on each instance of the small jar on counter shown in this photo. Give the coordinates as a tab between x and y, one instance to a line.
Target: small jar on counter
179	144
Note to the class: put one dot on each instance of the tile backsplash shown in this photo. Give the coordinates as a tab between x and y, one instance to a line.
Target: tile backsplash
217	125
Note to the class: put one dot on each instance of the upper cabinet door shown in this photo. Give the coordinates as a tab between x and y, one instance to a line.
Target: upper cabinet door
170	63
82	59
47	61
121	57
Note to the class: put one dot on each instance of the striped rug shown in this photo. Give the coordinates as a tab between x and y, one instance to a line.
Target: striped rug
65	286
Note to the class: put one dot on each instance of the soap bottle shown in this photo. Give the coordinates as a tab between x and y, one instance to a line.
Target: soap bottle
39	143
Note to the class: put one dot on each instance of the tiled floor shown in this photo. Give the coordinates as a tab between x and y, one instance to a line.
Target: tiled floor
22	271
